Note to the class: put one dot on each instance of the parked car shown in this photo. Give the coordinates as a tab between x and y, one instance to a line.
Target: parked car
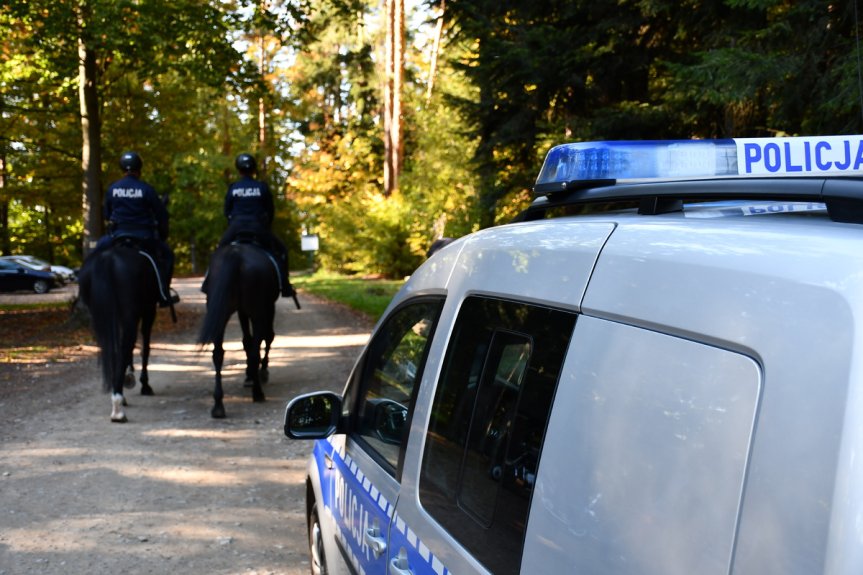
15	276
65	274
656	370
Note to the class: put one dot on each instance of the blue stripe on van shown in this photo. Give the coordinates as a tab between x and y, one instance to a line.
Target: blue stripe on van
433	564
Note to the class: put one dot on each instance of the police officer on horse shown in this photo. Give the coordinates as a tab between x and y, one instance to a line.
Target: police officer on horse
250	211
134	210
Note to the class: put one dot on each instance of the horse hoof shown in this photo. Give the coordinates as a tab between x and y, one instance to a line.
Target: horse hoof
218	413
259	398
119	419
129	381
265	376
147	390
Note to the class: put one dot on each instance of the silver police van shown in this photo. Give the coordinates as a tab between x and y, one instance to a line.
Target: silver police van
658	369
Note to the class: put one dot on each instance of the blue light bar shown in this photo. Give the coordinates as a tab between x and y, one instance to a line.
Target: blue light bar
584	164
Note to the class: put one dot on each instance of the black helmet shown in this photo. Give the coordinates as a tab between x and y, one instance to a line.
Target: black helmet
245	163
131	162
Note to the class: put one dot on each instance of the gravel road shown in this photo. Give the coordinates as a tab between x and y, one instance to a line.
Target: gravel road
173	490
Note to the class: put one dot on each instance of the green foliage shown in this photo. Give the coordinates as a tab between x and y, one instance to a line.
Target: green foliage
335	180
765	67
181	83
439	183
337	176
567	70
369	296
368	234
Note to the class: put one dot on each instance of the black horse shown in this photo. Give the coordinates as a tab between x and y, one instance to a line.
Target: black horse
119	287
242	278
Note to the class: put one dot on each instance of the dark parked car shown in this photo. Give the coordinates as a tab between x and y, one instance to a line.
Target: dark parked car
14	277
64	274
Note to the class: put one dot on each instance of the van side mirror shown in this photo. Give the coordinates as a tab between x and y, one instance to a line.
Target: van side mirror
313	415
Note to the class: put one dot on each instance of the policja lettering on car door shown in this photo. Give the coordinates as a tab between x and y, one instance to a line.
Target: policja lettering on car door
361	512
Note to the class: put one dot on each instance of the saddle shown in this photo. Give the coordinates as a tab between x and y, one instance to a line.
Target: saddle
131	242
142	247
149	251
139	245
252	239
248	237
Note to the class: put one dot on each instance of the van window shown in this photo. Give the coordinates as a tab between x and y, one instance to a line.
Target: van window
488	422
392	367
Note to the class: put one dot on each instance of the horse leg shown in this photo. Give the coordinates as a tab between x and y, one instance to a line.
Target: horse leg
253	353
146	331
129	376
264	372
129	363
118	415
128	379
118	400
121	361
218	411
252	346
247	342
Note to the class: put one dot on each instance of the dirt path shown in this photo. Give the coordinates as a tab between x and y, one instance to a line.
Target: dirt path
172	491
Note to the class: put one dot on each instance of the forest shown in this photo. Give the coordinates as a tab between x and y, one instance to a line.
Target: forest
382	125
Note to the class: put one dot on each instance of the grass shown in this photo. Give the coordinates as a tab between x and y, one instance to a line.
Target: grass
369	296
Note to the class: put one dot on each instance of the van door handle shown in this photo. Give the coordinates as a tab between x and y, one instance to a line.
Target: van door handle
399	564
374	540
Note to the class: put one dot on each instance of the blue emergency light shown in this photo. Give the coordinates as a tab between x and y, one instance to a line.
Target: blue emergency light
586	164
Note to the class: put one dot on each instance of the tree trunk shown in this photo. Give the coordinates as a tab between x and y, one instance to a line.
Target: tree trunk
394	62
262	108
438	34
91	131
5	243
398	75
263	141
388	100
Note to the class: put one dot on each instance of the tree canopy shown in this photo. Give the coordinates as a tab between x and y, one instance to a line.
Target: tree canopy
484	88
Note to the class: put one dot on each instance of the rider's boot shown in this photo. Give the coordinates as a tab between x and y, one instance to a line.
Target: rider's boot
170	296
287	288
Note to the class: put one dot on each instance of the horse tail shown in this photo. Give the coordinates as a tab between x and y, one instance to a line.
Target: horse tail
223	274
102	300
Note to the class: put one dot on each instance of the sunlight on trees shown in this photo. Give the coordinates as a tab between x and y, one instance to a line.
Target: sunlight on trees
480	91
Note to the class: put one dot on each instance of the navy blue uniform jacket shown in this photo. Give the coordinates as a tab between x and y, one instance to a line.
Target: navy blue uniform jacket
249	199
134	208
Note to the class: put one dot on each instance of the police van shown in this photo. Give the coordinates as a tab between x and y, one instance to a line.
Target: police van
658	369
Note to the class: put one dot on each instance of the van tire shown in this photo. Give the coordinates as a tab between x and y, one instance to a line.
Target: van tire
318	560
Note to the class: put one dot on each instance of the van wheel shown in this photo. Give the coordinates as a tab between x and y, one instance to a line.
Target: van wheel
316	544
40	286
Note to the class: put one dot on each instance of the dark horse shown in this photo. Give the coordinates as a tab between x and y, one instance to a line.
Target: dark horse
243	279
119	287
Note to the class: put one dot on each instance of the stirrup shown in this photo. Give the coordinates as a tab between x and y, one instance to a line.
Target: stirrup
173	297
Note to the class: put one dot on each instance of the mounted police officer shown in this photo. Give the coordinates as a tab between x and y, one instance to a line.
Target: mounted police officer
250	211
134	210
